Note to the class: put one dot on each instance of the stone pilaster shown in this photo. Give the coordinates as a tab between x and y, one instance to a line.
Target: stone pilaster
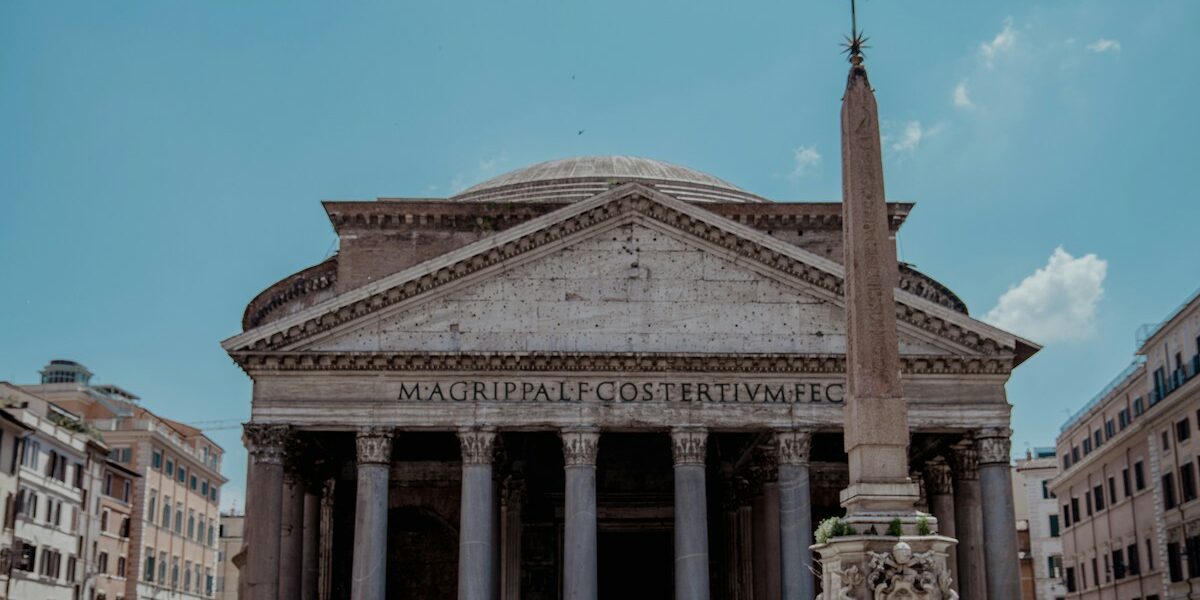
994	449
374	453
968	519
477	527
291	535
325	554
264	507
795	514
580	446
689	447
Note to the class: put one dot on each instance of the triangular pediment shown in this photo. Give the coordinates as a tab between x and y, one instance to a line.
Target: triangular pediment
630	270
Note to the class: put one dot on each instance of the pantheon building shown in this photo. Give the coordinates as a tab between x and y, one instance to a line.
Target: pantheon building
600	373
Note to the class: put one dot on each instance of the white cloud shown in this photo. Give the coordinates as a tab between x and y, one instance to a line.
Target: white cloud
1003	42
1104	45
962	96
1057	302
912	137
805	161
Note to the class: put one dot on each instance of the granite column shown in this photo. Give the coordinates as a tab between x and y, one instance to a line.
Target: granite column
968	520
580	580
291	535
994	448
264	508
477	525
689	446
795	515
369	579
310	566
512	503
939	492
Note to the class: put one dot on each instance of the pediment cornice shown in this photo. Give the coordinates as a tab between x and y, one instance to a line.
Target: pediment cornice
606	362
821	275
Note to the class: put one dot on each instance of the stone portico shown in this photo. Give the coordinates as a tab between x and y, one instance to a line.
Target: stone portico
592	378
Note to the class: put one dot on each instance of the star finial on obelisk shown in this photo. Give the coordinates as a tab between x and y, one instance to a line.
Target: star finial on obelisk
855	43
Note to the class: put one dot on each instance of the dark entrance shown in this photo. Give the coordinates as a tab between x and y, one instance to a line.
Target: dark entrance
636	564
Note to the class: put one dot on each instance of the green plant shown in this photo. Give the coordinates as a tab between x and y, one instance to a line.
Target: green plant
923	526
833	527
895	528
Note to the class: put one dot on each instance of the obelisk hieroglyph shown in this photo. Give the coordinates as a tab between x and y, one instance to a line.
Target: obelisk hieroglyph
876	417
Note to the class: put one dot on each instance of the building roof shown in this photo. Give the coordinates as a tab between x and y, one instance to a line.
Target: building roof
582	177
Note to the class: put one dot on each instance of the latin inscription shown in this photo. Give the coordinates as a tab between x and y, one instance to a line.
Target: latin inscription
617	391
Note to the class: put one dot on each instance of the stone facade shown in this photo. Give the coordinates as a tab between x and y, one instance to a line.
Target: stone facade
1127	490
1044	525
231	538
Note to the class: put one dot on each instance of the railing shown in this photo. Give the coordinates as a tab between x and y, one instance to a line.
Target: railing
1108	389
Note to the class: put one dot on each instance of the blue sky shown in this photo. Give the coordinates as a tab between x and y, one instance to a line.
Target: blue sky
162	162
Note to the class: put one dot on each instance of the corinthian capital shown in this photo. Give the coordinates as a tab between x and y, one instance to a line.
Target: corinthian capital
374	445
937	477
478	445
266	442
994	445
793	446
580	447
689	445
964	460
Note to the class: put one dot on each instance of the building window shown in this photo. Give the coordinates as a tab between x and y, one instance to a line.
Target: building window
123	455
1110	429
1112	491
170	468
162	567
1087	446
212	493
1118	564
1098	437
102	563
1187	481
1183	430
1098	496
194	484
1123	418
1066	515
1139	407
1054	526
26	553
1168	483
1045	488
1054	566
1066	461
120	566
1139	476
179	518
29	454
1075	510
124	531
1149	555
1166	442
191	530
1087	501
166	513
182	472
204	488
1131	554
1125	481
156	460
104	521
1174	562
148	575
1071	579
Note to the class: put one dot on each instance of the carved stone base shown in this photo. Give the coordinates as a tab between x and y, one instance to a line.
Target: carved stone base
877	567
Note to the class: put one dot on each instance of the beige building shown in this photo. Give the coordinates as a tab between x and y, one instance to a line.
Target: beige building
172	548
232	535
1128	489
1042	524
113	566
54	525
12	430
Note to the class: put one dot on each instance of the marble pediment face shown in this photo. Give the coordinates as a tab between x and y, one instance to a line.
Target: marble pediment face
631	270
632	286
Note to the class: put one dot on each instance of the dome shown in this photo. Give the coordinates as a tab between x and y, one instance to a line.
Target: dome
574	179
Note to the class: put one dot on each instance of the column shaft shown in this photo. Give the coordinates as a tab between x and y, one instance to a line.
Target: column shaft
968	523
939	493
995	483
291	536
477	527
795	515
310	568
691	515
369	570
510	539
579	515
264	507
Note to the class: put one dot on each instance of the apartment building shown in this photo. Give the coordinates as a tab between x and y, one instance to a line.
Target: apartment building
58	472
232	536
112	551
12	430
172	548
1128	489
1045	551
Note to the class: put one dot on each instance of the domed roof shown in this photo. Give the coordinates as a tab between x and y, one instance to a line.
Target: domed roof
574	179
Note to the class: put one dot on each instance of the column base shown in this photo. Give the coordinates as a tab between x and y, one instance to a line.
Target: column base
867	567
